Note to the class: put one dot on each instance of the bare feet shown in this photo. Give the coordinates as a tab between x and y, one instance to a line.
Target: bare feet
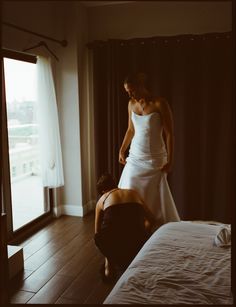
109	270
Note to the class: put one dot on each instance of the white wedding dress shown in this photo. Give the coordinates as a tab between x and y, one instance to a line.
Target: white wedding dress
142	169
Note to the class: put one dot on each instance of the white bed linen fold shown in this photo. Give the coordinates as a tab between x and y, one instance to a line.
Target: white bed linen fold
179	264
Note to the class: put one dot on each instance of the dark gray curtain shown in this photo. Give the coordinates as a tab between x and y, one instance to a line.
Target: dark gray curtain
194	72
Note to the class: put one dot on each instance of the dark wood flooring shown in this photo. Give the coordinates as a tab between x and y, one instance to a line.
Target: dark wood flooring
61	265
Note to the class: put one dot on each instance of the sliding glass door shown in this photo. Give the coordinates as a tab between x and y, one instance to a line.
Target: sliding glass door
28	196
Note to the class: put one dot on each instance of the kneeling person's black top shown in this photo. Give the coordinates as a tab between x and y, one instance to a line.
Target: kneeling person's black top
122	233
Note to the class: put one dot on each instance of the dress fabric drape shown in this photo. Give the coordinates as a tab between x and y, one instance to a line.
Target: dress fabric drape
142	172
194	73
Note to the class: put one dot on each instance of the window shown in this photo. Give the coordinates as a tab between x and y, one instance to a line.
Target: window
13	171
27	190
24	168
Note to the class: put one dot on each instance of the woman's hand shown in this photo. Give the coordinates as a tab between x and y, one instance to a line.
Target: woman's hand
122	159
166	168
151	227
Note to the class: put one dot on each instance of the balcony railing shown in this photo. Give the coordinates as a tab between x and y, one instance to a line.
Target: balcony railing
26	183
23	151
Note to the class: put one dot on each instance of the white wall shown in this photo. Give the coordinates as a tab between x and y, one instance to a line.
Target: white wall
68	99
153	18
76	110
38	16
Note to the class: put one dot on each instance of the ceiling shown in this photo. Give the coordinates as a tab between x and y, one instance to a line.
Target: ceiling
102	3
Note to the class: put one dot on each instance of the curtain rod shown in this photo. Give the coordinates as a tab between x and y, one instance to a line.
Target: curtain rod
63	43
143	40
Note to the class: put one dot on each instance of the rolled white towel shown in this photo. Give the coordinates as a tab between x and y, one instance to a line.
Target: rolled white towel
223	237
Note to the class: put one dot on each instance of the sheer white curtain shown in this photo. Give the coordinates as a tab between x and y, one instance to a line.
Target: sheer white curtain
49	134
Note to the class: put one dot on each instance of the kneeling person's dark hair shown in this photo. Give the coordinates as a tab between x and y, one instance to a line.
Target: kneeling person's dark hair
105	183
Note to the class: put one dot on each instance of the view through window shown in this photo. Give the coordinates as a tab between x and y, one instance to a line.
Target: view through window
27	191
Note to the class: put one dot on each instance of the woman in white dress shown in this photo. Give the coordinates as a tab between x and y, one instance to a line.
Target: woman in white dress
151	140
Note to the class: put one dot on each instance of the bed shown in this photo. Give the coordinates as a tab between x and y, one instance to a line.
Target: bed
182	263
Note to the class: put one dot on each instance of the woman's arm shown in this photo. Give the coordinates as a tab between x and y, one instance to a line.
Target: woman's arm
168	127
151	223
148	215
127	138
98	215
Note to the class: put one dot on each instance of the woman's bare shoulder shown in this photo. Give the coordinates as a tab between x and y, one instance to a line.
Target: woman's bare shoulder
101	199
131	102
133	192
160	102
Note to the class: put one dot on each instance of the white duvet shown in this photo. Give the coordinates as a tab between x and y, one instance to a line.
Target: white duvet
179	264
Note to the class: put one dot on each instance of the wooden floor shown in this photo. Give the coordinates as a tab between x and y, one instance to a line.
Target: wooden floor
61	265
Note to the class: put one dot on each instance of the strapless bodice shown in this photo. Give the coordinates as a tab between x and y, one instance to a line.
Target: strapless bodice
148	140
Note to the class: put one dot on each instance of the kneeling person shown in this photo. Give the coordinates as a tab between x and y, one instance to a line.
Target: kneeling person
123	223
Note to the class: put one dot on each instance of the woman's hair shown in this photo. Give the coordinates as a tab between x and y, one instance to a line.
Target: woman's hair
136	79
105	183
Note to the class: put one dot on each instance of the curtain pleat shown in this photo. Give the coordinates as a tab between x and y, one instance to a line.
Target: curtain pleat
50	143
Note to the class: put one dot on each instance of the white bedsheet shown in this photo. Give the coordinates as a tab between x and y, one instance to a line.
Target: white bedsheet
179	264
